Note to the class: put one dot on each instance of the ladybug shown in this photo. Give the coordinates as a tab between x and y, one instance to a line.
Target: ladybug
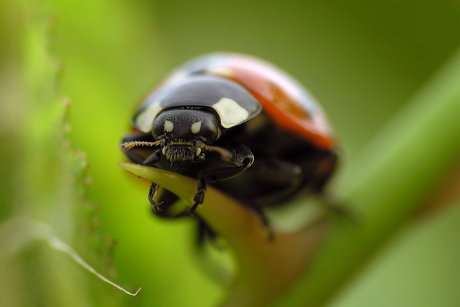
237	123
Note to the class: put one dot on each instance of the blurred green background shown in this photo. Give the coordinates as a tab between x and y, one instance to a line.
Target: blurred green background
361	59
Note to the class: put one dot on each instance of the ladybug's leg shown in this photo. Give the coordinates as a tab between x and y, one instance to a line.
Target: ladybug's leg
242	158
264	219
166	201
318	168
281	179
239	155
140	158
135	156
150	161
205	233
199	196
152	193
153	158
306	169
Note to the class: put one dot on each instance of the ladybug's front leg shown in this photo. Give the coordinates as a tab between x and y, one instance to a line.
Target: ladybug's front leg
151	161
199	196
152	193
239	155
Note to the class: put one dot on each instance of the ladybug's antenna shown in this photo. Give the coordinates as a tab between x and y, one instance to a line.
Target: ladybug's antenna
128	145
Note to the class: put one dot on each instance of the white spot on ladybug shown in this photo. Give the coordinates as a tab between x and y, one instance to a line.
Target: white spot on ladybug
196	127
144	120
169	126
220	71
230	112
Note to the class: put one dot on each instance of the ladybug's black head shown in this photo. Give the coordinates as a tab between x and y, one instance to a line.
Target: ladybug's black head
184	131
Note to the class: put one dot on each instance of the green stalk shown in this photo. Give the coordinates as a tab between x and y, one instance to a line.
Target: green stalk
387	184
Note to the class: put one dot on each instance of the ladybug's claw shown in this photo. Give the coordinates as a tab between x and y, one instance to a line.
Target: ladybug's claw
155	206
152	193
199	196
265	222
188	212
192	210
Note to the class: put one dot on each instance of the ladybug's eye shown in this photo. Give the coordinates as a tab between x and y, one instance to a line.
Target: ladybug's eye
209	131
159	126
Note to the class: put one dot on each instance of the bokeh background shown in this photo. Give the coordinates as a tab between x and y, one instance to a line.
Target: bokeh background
363	60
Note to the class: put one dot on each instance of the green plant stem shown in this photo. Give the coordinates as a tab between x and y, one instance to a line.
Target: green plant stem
387	184
266	268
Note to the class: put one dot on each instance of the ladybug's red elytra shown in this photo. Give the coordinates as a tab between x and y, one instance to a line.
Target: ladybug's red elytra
237	123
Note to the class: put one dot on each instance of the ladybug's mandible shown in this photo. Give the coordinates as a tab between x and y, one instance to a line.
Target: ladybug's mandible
237	123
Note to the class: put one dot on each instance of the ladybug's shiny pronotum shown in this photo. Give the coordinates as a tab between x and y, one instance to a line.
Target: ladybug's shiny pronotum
237	123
